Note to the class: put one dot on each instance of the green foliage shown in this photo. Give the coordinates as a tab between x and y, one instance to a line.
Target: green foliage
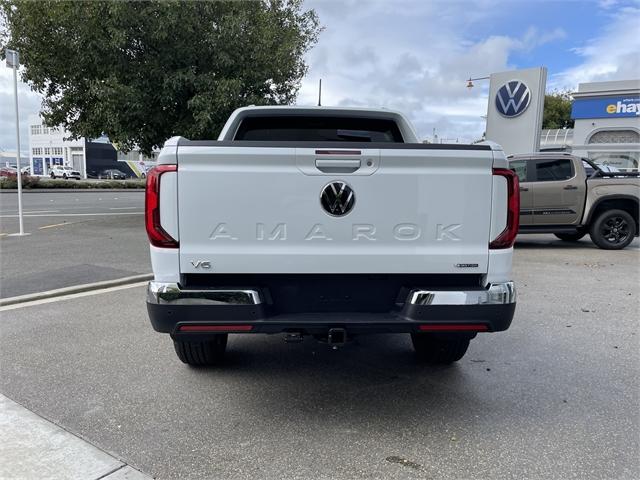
29	183
557	110
142	72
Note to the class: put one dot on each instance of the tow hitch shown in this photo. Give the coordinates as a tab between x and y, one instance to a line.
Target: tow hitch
337	337
294	337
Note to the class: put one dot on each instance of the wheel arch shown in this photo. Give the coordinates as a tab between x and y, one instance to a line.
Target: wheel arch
628	203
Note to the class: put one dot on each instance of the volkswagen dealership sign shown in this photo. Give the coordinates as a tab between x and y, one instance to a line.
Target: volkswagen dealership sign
516	103
512	98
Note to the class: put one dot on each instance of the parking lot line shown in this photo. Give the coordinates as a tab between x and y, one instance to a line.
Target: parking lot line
71	296
62	224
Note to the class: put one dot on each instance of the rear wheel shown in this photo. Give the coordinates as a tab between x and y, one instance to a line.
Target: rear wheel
570	237
202	353
613	230
437	349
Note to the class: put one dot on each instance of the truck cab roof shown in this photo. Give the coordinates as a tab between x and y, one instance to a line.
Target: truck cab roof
231	128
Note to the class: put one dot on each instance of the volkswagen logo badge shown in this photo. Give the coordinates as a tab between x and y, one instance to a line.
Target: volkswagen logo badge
513	98
337	199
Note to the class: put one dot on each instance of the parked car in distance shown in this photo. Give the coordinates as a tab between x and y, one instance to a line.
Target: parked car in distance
63	171
112	174
8	172
571	196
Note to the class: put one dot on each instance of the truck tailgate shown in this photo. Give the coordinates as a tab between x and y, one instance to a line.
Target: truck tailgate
246	209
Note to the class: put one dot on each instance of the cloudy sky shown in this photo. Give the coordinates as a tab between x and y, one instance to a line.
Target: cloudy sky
415	55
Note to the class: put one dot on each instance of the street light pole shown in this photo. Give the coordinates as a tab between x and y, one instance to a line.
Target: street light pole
13	61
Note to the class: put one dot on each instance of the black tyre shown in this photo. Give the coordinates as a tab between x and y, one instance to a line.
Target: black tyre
570	237
64	175
613	230
202	353
53	175
439	350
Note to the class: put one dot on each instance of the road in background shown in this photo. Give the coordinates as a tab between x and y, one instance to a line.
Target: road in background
75	238
555	396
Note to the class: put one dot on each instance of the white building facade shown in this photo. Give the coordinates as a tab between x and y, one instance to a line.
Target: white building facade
48	147
607	123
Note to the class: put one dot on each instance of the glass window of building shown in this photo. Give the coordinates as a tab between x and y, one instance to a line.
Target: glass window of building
619	160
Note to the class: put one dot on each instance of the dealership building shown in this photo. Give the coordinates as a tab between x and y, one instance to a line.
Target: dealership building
607	123
49	146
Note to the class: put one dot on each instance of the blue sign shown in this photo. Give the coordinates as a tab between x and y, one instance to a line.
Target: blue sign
608	107
512	98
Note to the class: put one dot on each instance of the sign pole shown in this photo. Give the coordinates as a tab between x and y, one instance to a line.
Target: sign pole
13	61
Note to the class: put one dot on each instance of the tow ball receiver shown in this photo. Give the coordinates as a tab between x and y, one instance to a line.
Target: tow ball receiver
293	337
337	337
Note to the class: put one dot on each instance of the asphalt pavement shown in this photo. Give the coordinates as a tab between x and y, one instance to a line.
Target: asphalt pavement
555	396
75	238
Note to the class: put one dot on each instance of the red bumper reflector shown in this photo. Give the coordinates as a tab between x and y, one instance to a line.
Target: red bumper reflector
468	327
215	328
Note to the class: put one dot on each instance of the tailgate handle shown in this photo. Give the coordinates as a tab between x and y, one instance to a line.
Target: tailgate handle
337	166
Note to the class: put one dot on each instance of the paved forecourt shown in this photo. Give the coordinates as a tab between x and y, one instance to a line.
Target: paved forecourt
555	396
75	238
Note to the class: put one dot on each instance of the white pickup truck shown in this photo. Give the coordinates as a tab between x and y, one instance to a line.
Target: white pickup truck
329	222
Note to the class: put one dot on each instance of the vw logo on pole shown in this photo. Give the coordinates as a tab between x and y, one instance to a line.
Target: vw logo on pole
513	98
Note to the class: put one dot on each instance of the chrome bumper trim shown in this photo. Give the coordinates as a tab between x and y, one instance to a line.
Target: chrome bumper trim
496	294
161	293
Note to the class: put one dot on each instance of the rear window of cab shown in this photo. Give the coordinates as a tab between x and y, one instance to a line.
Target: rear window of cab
302	128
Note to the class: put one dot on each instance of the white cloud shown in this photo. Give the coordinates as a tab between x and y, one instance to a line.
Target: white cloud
414	60
28	105
612	55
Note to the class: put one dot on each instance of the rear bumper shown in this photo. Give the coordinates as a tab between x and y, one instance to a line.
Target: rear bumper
187	312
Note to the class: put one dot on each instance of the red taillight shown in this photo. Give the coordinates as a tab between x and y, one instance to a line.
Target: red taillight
465	327
215	328
507	238
157	235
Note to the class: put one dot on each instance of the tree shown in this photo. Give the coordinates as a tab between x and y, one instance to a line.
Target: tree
141	72
557	110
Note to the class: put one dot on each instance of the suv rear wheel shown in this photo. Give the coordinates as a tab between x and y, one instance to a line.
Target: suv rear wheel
202	353
613	230
439	350
570	237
